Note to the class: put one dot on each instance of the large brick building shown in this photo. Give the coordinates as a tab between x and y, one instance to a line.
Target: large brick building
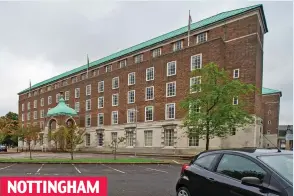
136	92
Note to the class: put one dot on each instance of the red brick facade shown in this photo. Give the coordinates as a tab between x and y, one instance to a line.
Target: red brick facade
271	110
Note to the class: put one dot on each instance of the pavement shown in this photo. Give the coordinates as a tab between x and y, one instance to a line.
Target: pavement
123	180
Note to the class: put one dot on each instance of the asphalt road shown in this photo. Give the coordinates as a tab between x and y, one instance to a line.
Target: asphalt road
123	180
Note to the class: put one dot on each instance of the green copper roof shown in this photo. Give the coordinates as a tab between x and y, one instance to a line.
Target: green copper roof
61	109
268	91
197	25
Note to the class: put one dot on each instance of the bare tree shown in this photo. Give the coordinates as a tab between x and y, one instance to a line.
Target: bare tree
114	145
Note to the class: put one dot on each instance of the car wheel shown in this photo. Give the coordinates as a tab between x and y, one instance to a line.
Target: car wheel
183	191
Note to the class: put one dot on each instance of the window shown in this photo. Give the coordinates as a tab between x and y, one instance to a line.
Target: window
150	74
156	52
130	138
238	167
148	138
171	68
205	161
115	83
100	102
202	37
123	63
77	106
169	137
194	84
235	101
196	62
114	117
64	82
28	116
131	78
94	72
170	111
56	85
66	95
100	119
88	89
100	139
35	93
88	105
149	93
29	105
194	140
88	120
35	103
41	113
35	114
22	117
115	100
171	89
178	45
49	88
49	100
131	116
269	112
139	58
88	139
269	122
236	73
131	96
57	97
83	76
233	131
268	131
108	68
29	94
22	107
77	93
113	136
100	86
42	101
74	79
149	113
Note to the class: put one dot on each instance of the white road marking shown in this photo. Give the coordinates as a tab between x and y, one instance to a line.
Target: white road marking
40	168
114	169
176	162
76	169
7	166
157	170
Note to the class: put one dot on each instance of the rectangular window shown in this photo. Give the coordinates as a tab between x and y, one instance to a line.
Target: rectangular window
131	78
22	117
194	107
178	45
28	116
194	84
236	73
139	58
202	37
100	139
100	119
88	89
156	52
108	68
148	137
171	68
41	90
56	85
74	79
42	101
196	62
101	87
169	137
66	95
29	105
115	83
35	93
35	103
83	76
77	106
88	120
49	88
129	138
115	100
171	89
131	96
150	74
123	63
77	93
22	107
100	102
49	100
64	82
94	73
235	101
170	110
88	105
41	113
35	114
57	97
131	116
149	93
114	117
194	140
149	113
88	139
113	136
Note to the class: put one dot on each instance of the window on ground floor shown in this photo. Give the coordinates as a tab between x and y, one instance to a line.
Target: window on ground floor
88	139
169	137
148	137
194	140
100	139
129	138
113	136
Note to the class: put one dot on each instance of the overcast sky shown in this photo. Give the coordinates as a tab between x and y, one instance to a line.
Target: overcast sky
39	40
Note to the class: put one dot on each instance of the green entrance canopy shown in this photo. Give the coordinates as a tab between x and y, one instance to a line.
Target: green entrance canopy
61	110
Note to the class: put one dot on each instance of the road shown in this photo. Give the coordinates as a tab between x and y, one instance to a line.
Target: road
123	180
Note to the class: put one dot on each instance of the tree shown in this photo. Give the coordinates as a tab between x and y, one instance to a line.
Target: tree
114	145
210	107
8	125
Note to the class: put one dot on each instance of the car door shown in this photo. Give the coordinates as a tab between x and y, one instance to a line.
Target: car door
232	168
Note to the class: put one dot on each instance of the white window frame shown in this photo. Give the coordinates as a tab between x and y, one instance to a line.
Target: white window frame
77	106
130	138
146	113
22	107
196	78
166	89
66	95
29	116
171	133
88	90
87	139
123	63
192	64
113	82
49	100
128	116
35	103
57	97
98	122
129	78
88	104
112	119
175	45
42	102
156	52
129	96
101	86
147	138
22	117
35	115
139	58
146	93
166	111
167	68
88	116
29	105
238	73
147	71
108	68
99	100
117	97
42	113
197	37
235	98
77	93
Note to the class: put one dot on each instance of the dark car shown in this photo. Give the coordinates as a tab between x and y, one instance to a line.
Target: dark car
3	148
238	172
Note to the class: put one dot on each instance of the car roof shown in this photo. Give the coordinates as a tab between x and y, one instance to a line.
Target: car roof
254	152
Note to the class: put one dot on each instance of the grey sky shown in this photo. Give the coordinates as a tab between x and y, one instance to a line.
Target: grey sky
39	40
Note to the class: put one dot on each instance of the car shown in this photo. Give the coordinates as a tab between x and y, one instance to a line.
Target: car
3	148
238	172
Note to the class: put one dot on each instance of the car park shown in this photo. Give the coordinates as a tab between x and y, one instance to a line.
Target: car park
238	172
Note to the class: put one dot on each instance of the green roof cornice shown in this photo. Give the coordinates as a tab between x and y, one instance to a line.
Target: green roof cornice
268	91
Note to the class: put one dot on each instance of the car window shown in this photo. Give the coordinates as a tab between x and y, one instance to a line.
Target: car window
238	167
205	161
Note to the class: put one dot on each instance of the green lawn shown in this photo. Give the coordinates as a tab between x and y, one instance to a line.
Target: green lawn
85	160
